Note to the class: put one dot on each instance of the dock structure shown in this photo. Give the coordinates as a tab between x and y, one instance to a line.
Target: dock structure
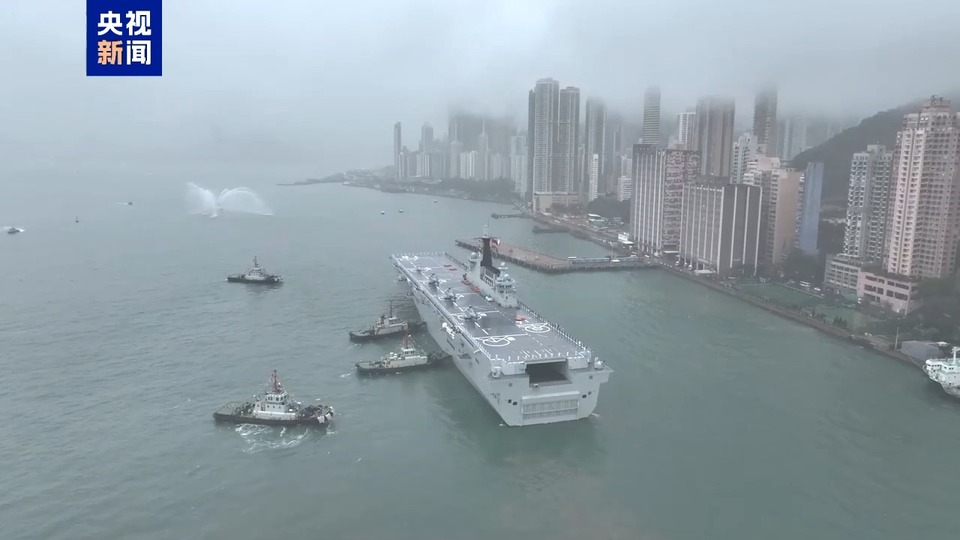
504	216
549	264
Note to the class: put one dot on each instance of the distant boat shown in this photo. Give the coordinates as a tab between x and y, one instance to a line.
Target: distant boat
382	212
434	200
77	220
401	211
14	230
255	275
129	203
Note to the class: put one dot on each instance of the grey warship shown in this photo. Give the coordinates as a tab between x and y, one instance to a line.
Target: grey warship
386	326
528	369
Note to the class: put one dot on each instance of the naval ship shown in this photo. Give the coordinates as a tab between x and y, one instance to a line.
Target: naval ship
529	370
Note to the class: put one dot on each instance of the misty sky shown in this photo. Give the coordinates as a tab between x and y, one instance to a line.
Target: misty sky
312	87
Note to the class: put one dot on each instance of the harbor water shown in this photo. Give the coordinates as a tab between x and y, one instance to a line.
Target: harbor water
119	337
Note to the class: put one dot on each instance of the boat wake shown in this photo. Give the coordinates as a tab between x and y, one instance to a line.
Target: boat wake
260	438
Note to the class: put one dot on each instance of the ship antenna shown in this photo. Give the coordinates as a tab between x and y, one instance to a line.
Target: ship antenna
275	381
255	261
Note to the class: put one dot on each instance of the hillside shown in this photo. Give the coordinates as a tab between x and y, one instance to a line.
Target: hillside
836	153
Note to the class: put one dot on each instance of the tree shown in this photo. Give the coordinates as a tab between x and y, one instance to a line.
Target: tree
610	208
802	267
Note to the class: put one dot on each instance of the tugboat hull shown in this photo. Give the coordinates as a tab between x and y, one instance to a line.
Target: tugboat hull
369	335
235	419
319	418
241	279
372	368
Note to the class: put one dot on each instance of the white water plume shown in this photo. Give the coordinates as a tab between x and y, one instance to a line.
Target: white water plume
202	201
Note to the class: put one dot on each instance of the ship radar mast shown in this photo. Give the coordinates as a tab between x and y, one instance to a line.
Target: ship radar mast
275	386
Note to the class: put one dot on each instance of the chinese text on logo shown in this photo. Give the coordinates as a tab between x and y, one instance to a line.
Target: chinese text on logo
124	38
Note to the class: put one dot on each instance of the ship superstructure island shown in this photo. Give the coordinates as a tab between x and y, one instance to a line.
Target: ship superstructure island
528	370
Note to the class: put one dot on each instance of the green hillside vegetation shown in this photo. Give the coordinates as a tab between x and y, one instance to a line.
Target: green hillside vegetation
836	153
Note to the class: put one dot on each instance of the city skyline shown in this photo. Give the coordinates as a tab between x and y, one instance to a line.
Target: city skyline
314	113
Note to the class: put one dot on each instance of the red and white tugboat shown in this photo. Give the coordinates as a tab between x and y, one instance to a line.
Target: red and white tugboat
274	407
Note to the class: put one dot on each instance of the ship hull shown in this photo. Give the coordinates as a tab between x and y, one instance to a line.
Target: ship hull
243	419
364	336
509	396
241	279
368	369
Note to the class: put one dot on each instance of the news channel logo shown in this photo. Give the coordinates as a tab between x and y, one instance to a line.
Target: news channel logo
124	38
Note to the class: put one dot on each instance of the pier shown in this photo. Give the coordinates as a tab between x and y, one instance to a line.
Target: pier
549	264
503	216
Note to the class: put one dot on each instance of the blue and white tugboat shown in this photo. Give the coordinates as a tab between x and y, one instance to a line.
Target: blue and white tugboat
255	275
408	358
274	407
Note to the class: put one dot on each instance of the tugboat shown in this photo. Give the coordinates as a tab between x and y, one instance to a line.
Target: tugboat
274	407
255	275
386	325
408	358
14	230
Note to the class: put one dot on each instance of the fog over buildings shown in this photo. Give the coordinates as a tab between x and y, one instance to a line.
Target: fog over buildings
310	88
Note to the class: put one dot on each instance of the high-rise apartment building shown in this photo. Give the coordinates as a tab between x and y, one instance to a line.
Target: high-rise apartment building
468	164
546	110
624	188
868	202
651	116
398	164
659	177
744	151
779	199
715	136
595	128
593	177
453	162
426	138
781	217
567	173
518	162
792	137
687	130
531	126
765	122
720	228
808	211
483	154
925	209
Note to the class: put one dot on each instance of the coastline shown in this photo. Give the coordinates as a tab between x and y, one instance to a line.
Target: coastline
825	327
878	345
463	196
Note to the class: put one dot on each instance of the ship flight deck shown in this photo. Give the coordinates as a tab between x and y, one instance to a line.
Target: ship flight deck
510	334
